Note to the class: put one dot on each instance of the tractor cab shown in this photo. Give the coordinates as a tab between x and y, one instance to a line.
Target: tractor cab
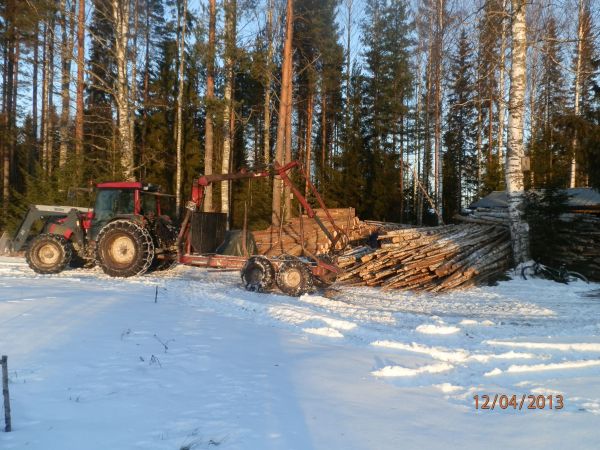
128	200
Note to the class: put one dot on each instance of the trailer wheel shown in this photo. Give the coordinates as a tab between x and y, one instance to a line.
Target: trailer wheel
125	249
258	274
49	253
294	278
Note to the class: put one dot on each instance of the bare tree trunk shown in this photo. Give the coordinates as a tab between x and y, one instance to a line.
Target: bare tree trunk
210	95
268	80
80	82
120	17
288	149
310	107
66	54
230	18
286	85
438	102
133	94
501	99
575	142
146	95
178	176
515	151
48	116
34	89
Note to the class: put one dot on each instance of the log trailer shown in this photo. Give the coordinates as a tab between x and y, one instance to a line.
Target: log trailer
293	276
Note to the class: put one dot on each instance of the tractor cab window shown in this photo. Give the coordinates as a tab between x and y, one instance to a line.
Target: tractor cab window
148	204
113	202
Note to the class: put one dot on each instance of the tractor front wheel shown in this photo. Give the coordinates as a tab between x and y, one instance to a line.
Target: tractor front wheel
49	253
125	249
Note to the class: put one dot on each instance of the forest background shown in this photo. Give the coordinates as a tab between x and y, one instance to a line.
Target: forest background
396	106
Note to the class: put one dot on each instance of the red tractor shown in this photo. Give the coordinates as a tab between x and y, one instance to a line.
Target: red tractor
128	232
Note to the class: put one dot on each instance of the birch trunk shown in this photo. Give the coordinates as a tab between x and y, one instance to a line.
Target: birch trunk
120	16
209	99
230	17
80	81
514	175
575	143
286	85
178	177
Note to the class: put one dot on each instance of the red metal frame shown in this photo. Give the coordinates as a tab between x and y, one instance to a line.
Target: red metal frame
120	185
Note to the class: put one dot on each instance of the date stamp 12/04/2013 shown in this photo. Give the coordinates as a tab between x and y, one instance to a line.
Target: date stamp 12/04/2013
518	402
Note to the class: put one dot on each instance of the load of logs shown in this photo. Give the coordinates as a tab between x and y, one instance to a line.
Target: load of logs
431	259
302	235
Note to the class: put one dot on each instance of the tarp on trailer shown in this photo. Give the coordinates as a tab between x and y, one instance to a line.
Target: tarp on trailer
233	244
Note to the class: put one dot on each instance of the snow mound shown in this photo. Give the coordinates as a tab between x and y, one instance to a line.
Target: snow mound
566	365
437	329
399	371
574	347
439	353
324	331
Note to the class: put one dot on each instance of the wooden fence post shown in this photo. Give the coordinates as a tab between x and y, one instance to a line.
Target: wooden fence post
7	427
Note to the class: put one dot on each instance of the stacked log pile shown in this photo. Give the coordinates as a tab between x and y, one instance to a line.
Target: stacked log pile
430	259
578	246
492	216
303	235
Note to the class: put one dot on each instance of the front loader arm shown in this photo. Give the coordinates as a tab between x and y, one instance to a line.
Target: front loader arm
38	212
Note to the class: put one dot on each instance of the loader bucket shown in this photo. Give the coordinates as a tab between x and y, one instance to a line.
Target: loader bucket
5	244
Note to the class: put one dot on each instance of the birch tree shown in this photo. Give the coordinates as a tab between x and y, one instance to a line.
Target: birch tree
230	39
581	24
515	152
120	17
209	100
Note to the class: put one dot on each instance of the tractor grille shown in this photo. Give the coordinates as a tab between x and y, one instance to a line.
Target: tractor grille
208	231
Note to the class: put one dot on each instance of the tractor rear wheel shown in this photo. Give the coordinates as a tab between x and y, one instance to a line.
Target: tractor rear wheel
258	274
294	278
124	249
49	253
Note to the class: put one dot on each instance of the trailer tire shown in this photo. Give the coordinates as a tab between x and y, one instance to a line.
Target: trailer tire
125	249
49	253
258	274
294	278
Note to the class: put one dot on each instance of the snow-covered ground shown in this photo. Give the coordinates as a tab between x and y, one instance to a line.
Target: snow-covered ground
189	360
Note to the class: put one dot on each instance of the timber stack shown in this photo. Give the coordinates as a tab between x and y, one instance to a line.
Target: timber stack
577	245
431	259
302	235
